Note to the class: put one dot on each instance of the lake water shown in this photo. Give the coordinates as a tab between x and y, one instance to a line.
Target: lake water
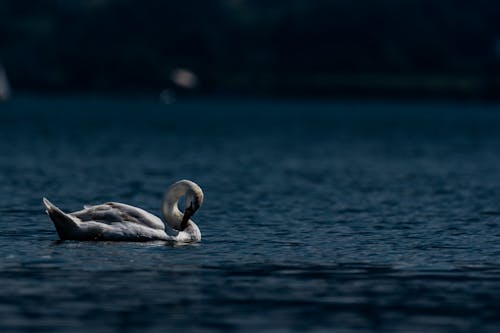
318	216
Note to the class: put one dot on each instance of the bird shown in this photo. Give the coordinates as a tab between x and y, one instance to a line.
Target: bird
114	221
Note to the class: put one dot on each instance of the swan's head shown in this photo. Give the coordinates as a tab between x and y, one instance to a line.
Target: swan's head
193	199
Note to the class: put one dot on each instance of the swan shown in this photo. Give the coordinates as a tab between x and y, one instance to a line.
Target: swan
114	221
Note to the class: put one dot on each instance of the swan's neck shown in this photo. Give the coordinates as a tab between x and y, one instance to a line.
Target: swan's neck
170	207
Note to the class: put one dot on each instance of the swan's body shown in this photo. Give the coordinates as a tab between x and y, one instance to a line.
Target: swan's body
119	222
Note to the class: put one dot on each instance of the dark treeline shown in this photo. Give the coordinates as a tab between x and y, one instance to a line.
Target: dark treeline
279	47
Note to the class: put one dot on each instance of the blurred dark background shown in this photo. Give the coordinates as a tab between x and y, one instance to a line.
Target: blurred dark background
320	48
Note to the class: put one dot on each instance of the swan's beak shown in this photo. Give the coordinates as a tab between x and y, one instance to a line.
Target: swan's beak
187	215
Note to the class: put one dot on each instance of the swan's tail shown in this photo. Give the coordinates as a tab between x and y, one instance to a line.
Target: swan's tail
64	223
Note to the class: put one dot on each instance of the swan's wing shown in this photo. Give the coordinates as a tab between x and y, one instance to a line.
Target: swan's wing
112	212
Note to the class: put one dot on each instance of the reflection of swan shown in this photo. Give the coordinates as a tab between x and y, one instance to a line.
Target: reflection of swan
119	222
4	85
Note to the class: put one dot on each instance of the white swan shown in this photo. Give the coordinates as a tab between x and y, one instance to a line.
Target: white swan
119	222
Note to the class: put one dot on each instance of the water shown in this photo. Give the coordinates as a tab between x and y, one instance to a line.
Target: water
352	216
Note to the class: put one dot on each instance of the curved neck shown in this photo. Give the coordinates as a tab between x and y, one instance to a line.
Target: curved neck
170	209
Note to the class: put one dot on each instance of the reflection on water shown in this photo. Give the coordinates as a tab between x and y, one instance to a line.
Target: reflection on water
355	216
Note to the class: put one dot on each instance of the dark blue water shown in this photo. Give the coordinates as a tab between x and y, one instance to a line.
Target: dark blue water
352	216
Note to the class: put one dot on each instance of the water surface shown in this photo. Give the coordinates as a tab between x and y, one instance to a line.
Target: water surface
353	216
